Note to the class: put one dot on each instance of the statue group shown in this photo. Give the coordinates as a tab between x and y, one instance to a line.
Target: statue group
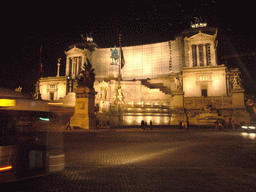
87	76
114	56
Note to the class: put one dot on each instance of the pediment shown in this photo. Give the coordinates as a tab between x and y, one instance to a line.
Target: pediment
201	36
75	50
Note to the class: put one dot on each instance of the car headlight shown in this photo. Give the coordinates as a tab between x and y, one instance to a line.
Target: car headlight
244	127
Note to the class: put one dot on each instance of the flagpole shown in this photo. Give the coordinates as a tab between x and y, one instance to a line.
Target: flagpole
119	72
39	72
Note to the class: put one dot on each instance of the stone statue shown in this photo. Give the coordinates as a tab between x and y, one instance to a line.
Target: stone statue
178	81
19	89
236	82
119	95
87	76
59	60
208	107
114	55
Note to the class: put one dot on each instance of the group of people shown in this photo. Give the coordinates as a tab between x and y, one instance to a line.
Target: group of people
184	124
144	125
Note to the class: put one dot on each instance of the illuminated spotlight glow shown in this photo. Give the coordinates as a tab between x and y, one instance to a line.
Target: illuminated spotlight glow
249	135
7	102
244	127
44	119
6	168
137	158
251	127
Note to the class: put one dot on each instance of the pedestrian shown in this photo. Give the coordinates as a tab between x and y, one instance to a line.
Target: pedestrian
146	125
142	124
108	126
97	124
151	125
68	125
232	124
180	125
187	124
216	124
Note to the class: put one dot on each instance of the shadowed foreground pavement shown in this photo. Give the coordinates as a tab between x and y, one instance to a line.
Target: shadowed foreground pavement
194	160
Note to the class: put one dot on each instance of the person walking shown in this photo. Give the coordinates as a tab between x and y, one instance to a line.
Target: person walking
68	125
142	124
108	125
146	125
151	125
180	125
97	124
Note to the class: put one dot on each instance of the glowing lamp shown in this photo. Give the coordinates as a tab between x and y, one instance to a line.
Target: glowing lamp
7	102
6	168
44	119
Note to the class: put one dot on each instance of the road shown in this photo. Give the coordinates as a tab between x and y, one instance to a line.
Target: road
193	160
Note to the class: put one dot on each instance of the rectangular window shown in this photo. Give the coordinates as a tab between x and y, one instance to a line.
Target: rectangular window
201	54
70	67
208	54
51	96
194	55
204	91
79	63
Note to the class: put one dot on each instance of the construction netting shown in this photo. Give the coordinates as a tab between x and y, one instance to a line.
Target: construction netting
141	62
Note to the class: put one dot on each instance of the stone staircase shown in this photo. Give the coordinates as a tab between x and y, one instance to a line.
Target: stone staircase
159	86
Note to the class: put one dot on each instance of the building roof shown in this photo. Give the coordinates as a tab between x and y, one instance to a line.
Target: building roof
192	31
84	45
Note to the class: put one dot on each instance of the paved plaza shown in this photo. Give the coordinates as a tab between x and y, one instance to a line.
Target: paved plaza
158	160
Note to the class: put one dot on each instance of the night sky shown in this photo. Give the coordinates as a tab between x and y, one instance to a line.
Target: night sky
57	26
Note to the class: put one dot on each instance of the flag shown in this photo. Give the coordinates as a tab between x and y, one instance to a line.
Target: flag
40	63
122	54
122	58
41	68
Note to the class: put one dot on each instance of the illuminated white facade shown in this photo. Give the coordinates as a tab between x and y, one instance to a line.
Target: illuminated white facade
159	81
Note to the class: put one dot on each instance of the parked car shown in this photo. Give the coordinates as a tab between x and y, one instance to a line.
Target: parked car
250	126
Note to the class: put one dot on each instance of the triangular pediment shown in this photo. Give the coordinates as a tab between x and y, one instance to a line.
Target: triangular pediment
201	36
75	50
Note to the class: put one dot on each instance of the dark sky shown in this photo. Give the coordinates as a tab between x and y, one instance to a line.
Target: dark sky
26	27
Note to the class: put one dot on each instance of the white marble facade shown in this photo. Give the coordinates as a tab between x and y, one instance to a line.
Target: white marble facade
152	76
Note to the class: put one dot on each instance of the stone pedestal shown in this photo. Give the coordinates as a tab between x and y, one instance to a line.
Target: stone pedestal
178	99
239	114
238	98
178	113
84	116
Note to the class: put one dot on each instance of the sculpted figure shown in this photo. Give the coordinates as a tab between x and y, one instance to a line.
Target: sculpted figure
87	75
114	55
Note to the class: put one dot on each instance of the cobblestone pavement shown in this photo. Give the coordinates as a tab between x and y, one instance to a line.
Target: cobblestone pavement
152	161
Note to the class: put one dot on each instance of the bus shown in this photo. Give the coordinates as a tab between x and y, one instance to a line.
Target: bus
28	147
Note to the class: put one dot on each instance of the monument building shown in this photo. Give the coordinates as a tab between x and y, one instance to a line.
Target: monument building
166	82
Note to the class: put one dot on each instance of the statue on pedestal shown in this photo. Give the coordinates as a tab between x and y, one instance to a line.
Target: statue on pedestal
236	82
119	96
178	82
84	116
87	76
114	56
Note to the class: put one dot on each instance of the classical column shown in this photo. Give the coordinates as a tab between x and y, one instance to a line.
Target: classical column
204	54
67	66
77	66
190	57
197	55
213	58
72	69
58	70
